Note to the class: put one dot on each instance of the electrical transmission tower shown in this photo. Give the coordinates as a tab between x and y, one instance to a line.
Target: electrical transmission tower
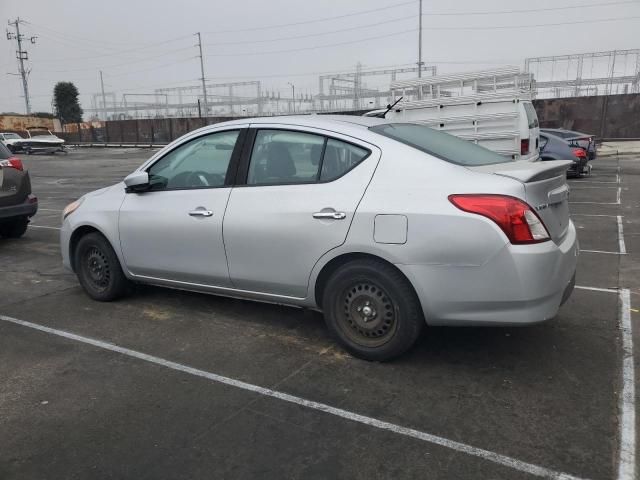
21	55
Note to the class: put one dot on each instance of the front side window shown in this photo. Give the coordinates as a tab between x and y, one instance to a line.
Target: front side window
200	163
281	157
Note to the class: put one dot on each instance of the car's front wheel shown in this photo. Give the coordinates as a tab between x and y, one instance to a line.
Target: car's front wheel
372	310
98	269
14	228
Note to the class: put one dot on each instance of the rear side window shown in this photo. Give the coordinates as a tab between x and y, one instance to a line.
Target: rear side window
439	144
532	116
339	158
287	157
4	152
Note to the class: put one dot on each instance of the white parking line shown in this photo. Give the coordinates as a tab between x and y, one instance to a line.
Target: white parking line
42	226
49	209
579	187
602	251
621	246
597	289
617	202
322	407
594	215
627	460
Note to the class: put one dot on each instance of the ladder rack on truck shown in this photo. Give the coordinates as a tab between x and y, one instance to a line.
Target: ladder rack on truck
485	107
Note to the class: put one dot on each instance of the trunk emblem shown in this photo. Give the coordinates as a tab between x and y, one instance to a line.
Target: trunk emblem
542	206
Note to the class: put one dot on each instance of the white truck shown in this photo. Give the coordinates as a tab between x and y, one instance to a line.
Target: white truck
491	108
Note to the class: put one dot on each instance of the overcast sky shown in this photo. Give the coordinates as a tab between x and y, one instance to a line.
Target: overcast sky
143	45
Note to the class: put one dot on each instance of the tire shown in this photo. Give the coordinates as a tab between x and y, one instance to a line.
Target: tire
98	269
14	228
391	324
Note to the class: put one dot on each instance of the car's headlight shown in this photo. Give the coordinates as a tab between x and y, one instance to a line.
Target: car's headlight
72	207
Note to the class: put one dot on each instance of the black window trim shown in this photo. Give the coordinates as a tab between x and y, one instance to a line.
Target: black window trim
232	168
243	170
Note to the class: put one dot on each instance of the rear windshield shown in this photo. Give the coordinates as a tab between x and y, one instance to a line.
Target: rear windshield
439	144
532	117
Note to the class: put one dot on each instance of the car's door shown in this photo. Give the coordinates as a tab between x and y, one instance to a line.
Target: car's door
301	189
174	230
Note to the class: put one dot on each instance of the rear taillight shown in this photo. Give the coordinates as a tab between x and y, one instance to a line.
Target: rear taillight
12	162
579	152
517	220
524	146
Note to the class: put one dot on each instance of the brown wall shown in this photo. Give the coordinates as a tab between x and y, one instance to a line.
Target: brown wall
18	124
613	116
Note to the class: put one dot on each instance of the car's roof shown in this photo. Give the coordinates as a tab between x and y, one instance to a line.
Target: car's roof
312	120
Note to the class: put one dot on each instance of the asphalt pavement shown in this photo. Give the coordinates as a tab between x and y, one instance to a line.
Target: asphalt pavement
170	384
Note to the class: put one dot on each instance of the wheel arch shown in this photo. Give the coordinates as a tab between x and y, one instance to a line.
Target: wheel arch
77	234
337	262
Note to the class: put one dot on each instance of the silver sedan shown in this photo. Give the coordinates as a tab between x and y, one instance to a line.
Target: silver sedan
385	227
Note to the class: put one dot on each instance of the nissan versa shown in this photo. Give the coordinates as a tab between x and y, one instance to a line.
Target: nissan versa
385	227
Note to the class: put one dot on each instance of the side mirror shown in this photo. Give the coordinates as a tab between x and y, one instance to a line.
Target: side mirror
136	182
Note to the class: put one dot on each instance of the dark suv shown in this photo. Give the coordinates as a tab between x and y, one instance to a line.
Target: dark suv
17	204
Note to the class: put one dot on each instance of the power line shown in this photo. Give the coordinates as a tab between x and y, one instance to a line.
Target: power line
535	25
404	32
318	20
529	10
163	55
430	14
498	27
120	52
329	32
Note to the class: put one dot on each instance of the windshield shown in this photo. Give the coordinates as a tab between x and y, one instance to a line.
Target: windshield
439	144
7	136
39	133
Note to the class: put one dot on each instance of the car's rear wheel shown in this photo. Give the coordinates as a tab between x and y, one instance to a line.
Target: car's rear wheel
14	228
372	310
98	269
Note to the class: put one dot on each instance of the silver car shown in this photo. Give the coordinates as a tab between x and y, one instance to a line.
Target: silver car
385	227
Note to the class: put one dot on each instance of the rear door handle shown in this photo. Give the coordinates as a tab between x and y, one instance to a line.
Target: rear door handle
330	215
201	213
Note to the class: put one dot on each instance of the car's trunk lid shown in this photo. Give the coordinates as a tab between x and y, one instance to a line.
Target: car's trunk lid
546	190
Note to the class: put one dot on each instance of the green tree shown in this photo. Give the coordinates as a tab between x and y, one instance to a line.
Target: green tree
65	99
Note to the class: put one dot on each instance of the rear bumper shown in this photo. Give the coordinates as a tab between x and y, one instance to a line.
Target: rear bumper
26	209
522	284
578	168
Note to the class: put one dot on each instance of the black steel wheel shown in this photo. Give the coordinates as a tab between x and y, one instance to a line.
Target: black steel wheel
368	316
372	309
98	268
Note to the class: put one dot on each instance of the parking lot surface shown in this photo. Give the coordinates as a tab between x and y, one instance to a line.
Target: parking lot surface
170	384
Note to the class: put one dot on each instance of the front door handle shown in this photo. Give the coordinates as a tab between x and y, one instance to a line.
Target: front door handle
201	213
330	215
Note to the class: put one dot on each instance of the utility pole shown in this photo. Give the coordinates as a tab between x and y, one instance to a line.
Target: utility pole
104	99
21	55
204	87
420	41
293	94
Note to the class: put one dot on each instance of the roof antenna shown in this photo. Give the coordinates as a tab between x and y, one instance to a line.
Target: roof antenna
389	107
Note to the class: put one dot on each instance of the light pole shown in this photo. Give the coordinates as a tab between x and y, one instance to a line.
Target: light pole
293	95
